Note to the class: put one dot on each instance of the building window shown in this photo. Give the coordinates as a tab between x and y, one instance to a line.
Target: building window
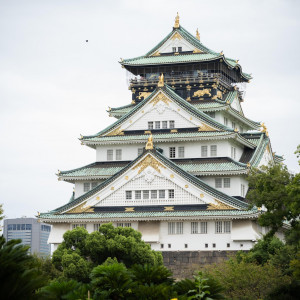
218	183
153	194
181	152
118	154
43	227
94	184
78	225
225	121
138	195
171	194
213	150
227	228
164	124
218	225
86	187
233	152
242	190
214	245
157	124
172	152
150	125
185	245
128	195
226	182
145	194
96	227
174	49
123	224
169	245
161	246
175	228
228	245
206	245
110	154
194	227
162	194
241	245
172	124
233	125
28	226
140	151
203	227
179	49
203	151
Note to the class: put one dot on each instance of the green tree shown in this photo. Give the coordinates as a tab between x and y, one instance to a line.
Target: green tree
1	213
19	280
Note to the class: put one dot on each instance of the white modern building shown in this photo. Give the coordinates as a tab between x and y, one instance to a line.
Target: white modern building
174	163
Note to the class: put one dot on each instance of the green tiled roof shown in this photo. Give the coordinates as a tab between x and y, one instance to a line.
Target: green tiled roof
165	214
208	54
260	150
200	167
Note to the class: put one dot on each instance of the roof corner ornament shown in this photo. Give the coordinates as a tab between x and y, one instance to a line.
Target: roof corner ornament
161	80
197	35
237	61
221	53
248	165
176	25
149	145
264	129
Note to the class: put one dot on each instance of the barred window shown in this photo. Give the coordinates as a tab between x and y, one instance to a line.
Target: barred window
172	124
213	150
218	183
140	151
171	194
78	225
233	125
118	154
242	190
227	227
86	186
164	124
150	125
138	195
194	227
203	151
157	124
128	195
226	182
179	49
233	152
203	227
110	154
162	194
153	194
218	225
123	224
175	228
96	227
174	49
225	121
181	152
145	194
172	152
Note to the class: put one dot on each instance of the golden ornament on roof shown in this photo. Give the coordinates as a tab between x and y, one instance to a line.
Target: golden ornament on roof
161	80
264	129
176	25
149	145
197	35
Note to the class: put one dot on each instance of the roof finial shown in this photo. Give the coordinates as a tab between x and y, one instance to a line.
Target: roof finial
161	80
149	145
176	25
264	129
197	34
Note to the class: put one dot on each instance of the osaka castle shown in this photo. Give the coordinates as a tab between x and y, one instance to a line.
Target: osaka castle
173	164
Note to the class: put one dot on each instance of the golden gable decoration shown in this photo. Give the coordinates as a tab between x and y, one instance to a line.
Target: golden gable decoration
201	93
219	206
149	161
117	131
80	209
205	127
160	97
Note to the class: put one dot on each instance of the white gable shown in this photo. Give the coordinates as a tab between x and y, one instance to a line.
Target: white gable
176	40
162	108
267	157
236	104
149	174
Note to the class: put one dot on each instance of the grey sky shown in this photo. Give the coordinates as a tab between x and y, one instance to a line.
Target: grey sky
54	86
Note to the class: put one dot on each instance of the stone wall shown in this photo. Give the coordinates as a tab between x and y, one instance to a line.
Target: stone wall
183	264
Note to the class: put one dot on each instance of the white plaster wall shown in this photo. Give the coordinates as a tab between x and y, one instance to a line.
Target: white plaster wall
266	159
235	184
244	230
57	232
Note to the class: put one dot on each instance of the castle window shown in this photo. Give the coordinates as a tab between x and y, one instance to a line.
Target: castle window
203	151
181	152
206	245
140	151
154	194
123	224
78	225
128	195
218	226
164	124
194	227
218	183
110	154
96	227
145	194
162	194
203	227
174	49
150	125
242	190
227	228
172	124
175	228
162	246
172	152
228	245
138	195
169	245
233	152
226	182
179	49
86	186
233	125
118	154
157	124
185	245
213	150
214	245
225	121
171	194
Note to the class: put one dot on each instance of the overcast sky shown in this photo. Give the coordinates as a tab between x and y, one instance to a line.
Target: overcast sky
54	86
